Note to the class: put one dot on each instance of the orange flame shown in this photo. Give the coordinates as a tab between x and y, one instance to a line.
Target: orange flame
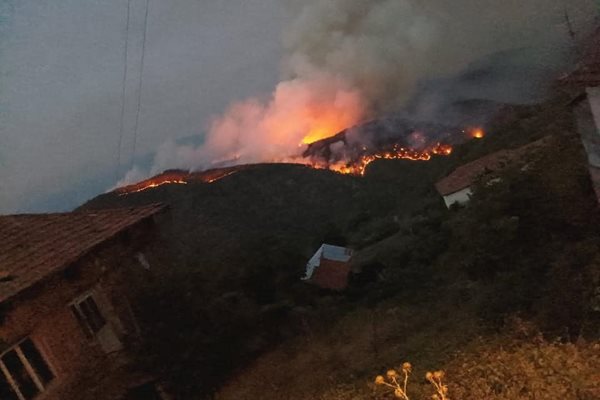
178	178
317	134
153	184
324	130
478	133
397	153
328	124
219	177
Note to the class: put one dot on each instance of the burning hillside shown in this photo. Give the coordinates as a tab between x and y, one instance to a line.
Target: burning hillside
347	62
395	137
396	153
179	177
357	167
348	152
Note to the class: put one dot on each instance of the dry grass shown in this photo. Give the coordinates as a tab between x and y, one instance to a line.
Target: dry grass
522	365
339	360
508	368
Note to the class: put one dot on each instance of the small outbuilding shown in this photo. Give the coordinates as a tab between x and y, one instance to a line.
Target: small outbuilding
329	267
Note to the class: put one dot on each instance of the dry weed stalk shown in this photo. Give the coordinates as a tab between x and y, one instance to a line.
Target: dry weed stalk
392	381
399	384
435	378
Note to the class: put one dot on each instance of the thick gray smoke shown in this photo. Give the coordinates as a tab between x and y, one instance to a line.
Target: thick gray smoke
385	48
351	60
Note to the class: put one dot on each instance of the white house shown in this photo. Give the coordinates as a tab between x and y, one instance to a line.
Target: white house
329	267
456	188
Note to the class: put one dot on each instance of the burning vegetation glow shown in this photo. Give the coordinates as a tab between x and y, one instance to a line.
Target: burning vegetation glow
477	133
326	126
315	135
418	151
150	184
397	153
356	167
178	177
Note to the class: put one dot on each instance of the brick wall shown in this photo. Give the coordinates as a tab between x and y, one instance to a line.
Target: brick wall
43	314
331	275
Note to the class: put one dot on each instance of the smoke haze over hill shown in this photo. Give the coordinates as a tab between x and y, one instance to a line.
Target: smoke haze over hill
61	75
348	61
323	66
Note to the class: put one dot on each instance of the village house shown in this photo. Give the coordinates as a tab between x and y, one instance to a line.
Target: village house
585	82
66	317
329	267
457	187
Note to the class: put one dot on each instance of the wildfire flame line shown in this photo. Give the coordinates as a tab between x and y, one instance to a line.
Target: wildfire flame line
359	167
353	168
356	167
155	185
220	177
175	178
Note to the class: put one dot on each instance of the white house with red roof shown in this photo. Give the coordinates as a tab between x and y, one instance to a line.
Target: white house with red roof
329	267
456	188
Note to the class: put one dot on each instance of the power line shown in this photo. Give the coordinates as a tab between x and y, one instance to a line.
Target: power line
123	90
569	25
140	84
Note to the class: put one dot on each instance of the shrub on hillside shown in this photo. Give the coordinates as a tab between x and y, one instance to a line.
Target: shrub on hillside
516	232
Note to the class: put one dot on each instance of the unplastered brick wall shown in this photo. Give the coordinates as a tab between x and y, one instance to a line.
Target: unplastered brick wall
42	312
332	274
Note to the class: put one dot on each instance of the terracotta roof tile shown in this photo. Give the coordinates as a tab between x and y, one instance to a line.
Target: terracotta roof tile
465	175
33	246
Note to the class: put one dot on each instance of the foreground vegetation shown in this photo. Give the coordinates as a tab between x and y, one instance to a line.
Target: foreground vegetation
449	281
229	318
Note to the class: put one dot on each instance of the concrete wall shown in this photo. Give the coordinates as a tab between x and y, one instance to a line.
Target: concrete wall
587	116
460	197
593	94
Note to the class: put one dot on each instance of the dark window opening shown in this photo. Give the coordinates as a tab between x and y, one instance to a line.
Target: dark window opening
20	375
37	362
6	390
25	372
89	316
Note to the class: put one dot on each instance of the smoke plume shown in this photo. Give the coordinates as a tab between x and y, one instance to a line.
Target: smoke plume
352	60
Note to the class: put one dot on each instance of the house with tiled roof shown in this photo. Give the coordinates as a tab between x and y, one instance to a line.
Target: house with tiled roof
65	312
456	188
584	81
329	267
